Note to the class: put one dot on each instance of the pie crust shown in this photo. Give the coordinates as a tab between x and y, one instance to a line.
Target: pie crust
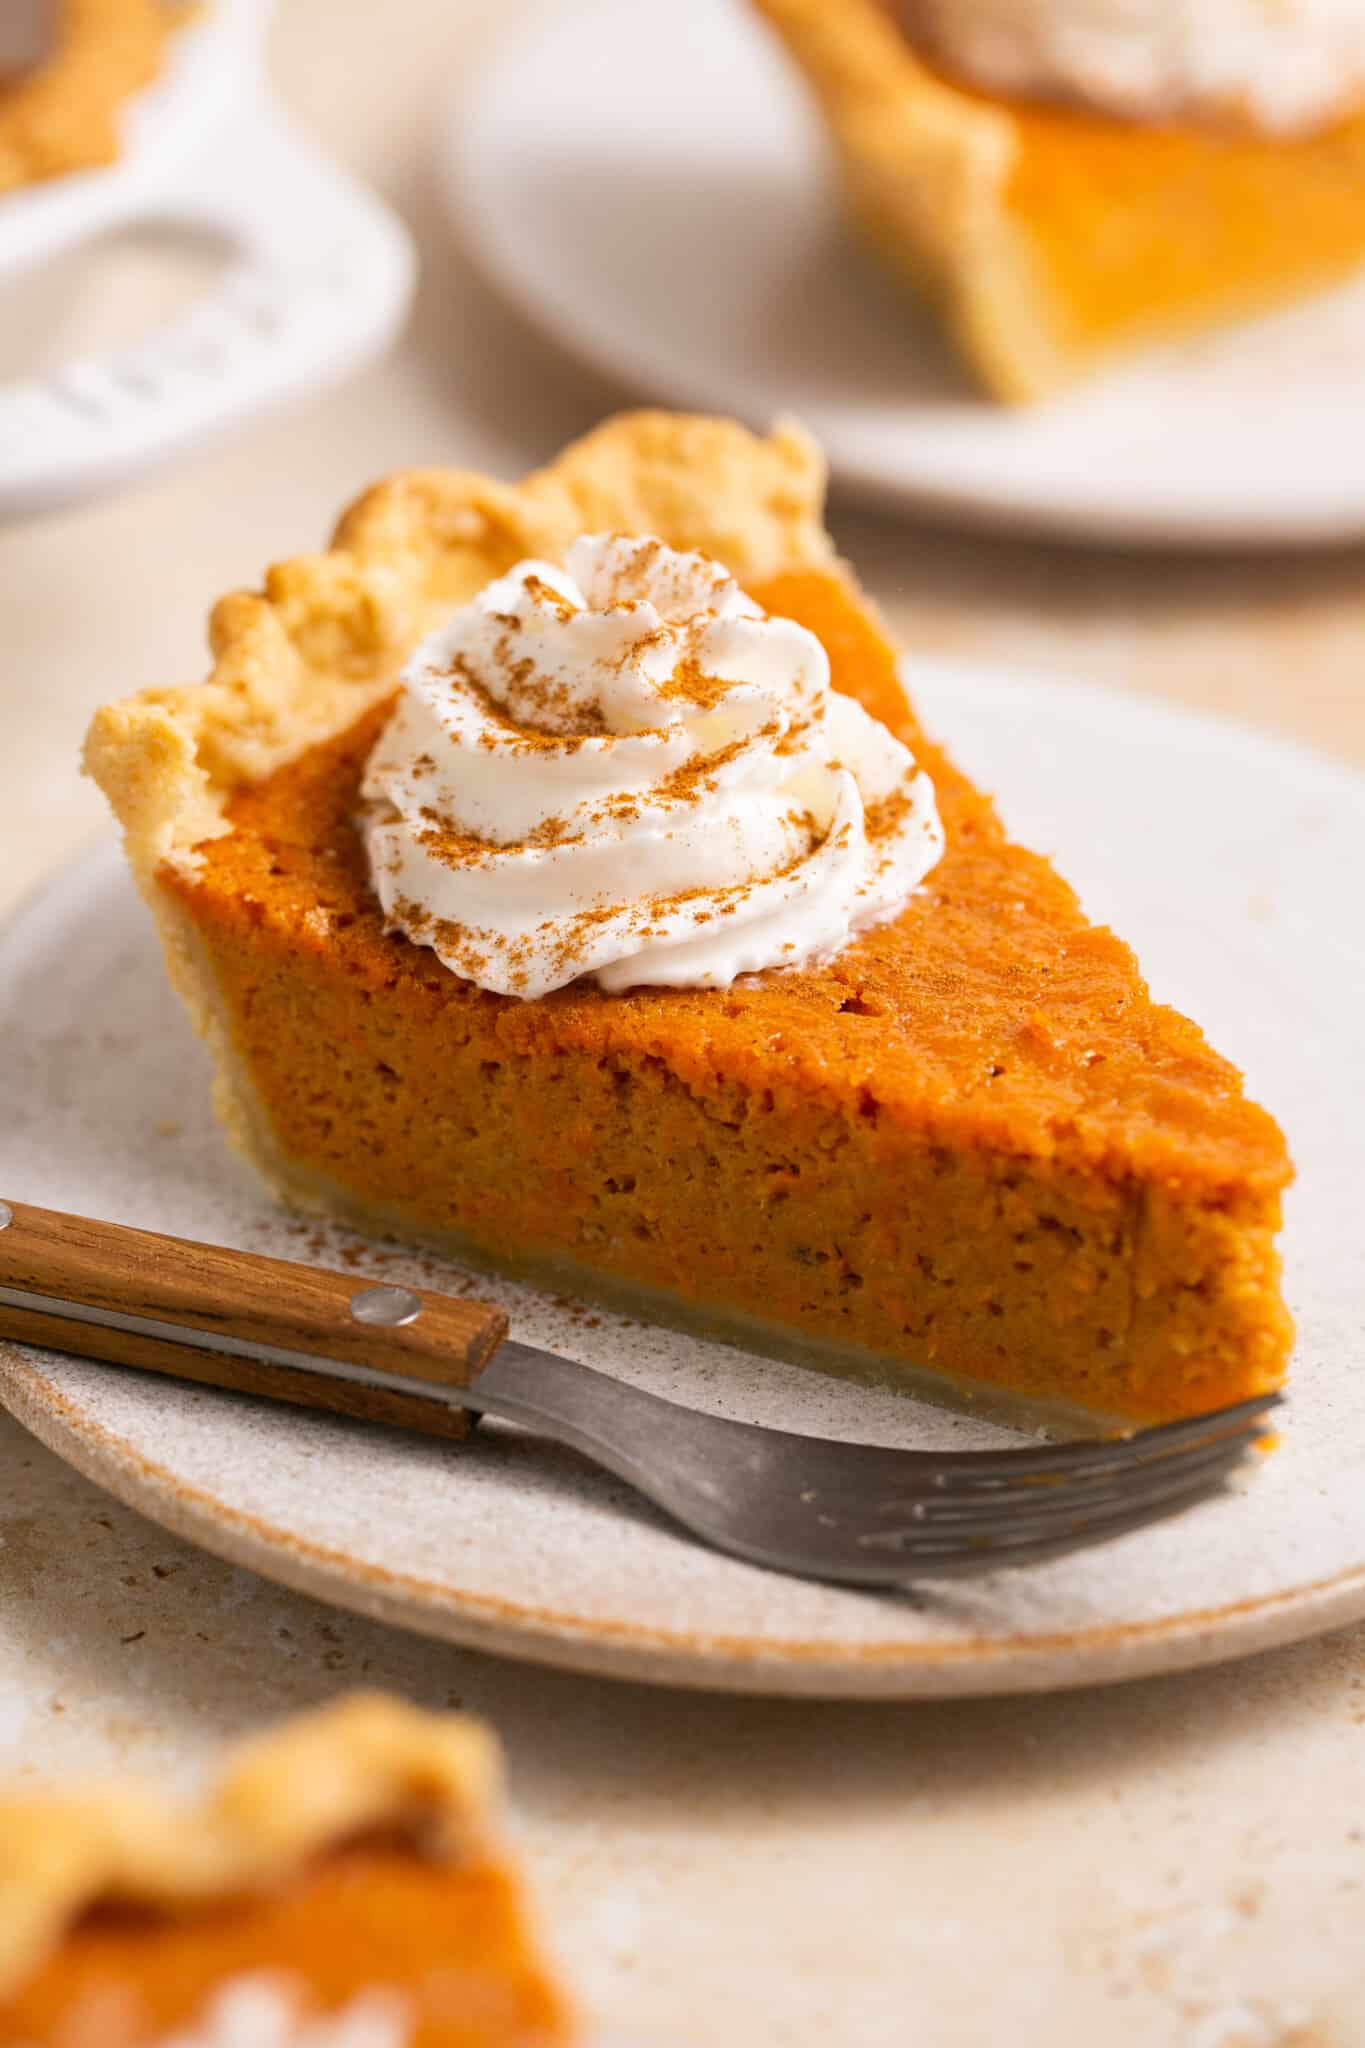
297	663
1049	236
64	114
369	1764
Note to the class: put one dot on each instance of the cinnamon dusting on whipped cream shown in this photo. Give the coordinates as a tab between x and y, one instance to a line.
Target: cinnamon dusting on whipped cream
624	769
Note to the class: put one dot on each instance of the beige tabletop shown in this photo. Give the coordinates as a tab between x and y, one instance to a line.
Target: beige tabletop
1175	1862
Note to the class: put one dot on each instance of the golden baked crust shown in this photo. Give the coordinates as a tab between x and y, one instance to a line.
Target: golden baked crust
366	1763
297	662
925	168
64	115
1051	235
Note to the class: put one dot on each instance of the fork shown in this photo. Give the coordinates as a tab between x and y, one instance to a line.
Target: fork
850	1513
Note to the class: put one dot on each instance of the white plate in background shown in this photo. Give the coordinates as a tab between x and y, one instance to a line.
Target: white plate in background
649	185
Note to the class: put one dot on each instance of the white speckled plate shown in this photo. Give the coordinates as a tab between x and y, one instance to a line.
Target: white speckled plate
1233	861
678	225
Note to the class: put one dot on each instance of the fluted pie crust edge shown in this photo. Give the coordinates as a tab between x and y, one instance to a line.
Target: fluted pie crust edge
365	1764
297	662
300	660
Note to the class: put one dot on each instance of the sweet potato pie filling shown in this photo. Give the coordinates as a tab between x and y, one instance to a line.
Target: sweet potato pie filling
971	1142
1143	228
439	1946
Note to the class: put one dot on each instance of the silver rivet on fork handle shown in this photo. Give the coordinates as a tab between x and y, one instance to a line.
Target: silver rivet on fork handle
389	1307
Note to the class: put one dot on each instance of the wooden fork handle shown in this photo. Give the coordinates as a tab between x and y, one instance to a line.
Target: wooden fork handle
199	1295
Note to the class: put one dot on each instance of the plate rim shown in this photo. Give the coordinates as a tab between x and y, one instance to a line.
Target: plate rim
704	1660
1087	523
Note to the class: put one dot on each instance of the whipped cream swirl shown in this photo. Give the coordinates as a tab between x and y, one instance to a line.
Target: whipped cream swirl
1277	65
624	768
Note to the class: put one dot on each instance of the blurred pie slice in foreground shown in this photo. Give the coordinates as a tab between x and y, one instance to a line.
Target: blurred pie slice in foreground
341	1887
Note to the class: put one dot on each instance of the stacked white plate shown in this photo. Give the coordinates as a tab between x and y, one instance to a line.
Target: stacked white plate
318	278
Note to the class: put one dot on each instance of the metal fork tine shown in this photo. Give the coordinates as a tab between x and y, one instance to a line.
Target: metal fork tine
985	1470
1042	1503
1078	1516
807	1504
1015	1542
966	1560
1165	1437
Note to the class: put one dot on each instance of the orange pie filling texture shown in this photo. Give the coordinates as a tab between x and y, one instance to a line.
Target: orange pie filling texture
968	1142
441	1948
1140	227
